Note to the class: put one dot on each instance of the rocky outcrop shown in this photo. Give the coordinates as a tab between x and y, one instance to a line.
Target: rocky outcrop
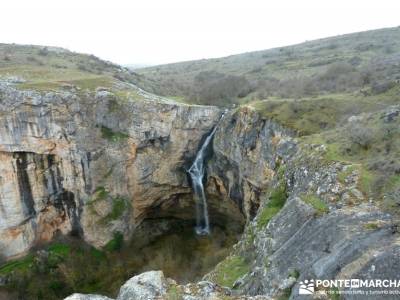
336	245
244	159
153	285
311	220
95	163
87	297
91	163
148	285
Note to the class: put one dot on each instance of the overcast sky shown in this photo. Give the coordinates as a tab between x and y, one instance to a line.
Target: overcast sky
164	31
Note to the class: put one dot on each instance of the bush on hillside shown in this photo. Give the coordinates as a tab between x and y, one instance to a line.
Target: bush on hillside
43	51
210	87
361	136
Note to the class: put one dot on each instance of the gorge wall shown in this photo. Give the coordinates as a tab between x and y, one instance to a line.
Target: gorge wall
309	216
91	164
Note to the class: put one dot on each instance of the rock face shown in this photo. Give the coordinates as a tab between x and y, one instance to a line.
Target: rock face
244	158
94	164
325	228
91	163
87	297
153	285
148	285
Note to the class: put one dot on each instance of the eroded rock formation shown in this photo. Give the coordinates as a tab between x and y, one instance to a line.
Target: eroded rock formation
90	164
313	220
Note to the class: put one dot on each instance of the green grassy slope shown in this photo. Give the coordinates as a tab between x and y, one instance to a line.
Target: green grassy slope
314	88
338	64
50	68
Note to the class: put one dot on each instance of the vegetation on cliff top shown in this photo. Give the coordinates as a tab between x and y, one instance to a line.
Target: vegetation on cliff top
329	91
370	144
316	114
39	64
314	88
341	64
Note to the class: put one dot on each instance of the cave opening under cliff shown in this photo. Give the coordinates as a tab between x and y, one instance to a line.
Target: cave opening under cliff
165	240
168	234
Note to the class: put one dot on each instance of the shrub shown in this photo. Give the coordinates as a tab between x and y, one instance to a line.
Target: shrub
82	67
361	136
364	47
33	59
118	207
294	273
380	88
43	51
116	243
113	136
297	87
355	61
211	87
339	76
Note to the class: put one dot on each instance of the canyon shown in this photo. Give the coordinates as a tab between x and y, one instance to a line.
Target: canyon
113	160
66	163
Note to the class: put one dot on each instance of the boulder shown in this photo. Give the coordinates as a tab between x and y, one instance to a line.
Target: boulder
87	297
146	286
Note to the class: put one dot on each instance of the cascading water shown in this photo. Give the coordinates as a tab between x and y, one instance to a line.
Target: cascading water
196	173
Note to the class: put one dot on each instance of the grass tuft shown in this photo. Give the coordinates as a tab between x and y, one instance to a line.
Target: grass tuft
316	203
119	205
113	136
116	243
19	264
371	226
276	202
230	270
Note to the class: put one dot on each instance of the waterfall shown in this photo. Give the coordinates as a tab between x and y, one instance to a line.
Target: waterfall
196	173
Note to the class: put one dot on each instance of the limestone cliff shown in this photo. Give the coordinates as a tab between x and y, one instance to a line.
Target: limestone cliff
90	163
314	219
308	218
244	159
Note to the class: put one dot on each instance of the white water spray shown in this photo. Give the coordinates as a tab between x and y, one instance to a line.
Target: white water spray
196	173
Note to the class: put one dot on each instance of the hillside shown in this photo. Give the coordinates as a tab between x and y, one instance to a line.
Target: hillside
42	68
327	91
366	61
300	179
312	88
86	160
